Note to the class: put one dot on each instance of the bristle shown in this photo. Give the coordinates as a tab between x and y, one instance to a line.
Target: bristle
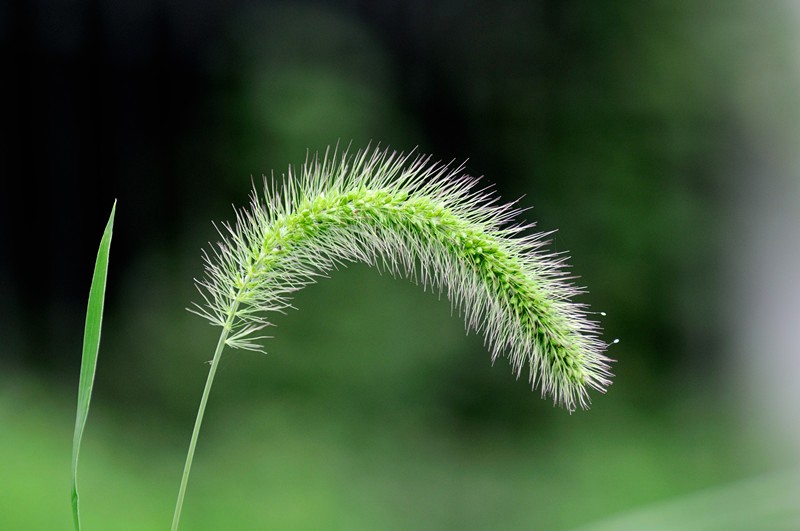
425	220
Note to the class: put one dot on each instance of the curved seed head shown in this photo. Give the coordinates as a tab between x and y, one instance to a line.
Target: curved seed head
423	219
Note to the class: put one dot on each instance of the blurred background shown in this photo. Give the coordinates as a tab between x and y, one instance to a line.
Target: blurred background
659	138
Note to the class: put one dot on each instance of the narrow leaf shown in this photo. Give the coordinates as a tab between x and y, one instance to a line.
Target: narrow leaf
91	345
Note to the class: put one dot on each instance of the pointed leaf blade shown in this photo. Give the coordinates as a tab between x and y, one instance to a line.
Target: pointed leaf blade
91	345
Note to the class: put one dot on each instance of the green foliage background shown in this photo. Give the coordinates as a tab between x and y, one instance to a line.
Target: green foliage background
635	128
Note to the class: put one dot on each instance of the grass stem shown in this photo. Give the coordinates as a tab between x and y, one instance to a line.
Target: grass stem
197	423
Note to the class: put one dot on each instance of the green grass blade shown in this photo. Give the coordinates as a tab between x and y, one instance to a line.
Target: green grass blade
91	345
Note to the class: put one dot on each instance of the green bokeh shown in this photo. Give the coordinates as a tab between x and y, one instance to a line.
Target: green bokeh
626	128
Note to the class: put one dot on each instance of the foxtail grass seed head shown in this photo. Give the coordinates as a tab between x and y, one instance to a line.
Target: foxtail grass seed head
410	215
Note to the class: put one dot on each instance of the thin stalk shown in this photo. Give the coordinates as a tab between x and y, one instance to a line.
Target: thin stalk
198	422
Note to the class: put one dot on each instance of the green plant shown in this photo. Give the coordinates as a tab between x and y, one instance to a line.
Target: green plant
407	215
91	347
412	216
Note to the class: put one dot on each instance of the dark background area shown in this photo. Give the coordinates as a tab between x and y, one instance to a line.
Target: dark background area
659	138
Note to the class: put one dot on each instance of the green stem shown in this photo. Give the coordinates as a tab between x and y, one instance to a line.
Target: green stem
198	421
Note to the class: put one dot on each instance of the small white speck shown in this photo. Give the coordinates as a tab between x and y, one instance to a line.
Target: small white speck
615	341
603	314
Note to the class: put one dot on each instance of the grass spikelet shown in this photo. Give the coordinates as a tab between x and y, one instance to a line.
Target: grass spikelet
422	219
409	215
